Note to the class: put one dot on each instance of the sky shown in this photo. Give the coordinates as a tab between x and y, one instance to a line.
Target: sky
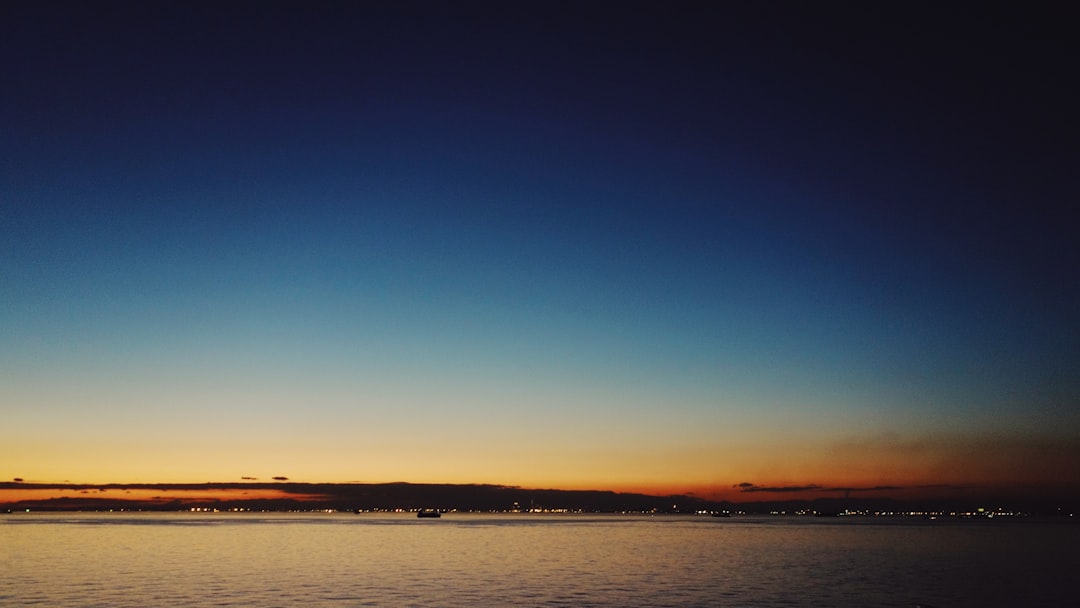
632	246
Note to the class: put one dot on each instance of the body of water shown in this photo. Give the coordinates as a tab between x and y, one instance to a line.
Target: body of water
338	559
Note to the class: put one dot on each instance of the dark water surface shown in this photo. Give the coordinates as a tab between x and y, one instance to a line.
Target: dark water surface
218	559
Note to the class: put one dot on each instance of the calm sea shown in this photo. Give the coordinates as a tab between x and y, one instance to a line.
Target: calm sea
217	559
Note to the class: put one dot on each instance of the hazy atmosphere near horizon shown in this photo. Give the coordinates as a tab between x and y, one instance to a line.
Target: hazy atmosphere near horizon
747	251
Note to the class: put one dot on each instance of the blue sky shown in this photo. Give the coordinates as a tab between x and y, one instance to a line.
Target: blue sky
587	233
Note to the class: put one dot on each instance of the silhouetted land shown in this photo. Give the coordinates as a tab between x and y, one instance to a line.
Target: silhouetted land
476	497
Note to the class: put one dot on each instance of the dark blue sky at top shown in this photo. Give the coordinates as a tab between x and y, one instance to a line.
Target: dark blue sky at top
823	187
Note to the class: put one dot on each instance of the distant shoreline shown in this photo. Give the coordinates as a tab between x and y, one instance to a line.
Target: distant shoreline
283	496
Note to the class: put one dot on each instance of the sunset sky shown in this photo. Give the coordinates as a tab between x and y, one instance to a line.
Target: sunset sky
641	247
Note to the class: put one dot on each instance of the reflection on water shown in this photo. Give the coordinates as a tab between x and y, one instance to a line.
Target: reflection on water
124	559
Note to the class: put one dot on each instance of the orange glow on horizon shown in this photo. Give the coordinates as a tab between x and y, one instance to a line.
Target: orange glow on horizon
153	496
872	465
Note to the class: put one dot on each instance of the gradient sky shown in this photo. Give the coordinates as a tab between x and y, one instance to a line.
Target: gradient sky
578	245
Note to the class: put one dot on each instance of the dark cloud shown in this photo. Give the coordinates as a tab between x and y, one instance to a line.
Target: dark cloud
280	478
749	487
946	486
866	489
